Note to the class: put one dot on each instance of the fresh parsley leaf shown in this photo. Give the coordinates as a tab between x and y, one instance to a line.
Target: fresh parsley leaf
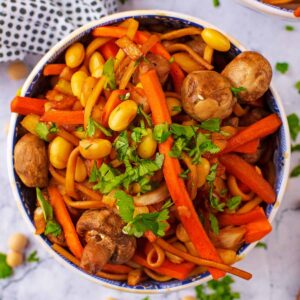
234	202
296	171
52	227
236	90
178	147
177	108
171	60
294	125
212	173
161	132
91	128
32	257
289	28
148	166
211	125
45	205
214	224
184	174
125	96
261	245
79	129
282	67
109	73
295	148
5	269
141	112
42	131
138	133
53	128
216	3
297	86
125	206
121	144
94	173
187	132
215	201
224	192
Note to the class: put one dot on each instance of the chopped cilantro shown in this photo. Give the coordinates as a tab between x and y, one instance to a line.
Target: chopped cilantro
183	131
297	86
234	202
214	224
217	290
289	28
79	129
5	269
212	173
125	96
296	171
177	108
137	134
236	90
224	192
282	67
109	73
184	174
261	245
211	125
171	60
42	131
177	148
53	128
295	148
121	144
216	3
141	112
32	257
52	227
141	223
161	132
294	125
91	128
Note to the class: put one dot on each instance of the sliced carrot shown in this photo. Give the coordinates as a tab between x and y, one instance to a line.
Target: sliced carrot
248	148
63	117
177	77
110	31
64	219
172	170
53	69
118	269
247	174
112	102
177	271
26	106
109	50
297	12
150	236
257	230
242	219
260	129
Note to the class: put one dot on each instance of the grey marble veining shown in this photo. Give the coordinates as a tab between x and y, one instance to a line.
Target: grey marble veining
276	272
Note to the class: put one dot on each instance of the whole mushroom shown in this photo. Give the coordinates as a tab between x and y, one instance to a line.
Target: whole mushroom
105	242
31	161
206	95
251	71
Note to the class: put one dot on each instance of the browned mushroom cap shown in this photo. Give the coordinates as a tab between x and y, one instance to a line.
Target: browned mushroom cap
125	248
251	71
96	254
31	161
206	95
102	231
153	61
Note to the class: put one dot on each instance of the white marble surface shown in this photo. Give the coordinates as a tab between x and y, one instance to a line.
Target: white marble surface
276	271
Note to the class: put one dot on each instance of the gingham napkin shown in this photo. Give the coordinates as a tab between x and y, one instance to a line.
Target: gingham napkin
36	25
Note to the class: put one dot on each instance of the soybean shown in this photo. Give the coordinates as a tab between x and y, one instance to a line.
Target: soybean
94	149
75	55
59	152
215	39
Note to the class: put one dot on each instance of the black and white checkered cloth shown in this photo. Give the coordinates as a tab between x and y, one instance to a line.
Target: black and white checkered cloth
36	25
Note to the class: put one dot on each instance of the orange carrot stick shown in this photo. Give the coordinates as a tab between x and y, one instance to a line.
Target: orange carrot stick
242	219
26	106
257	230
172	170
64	219
53	69
257	130
248	148
247	174
297	12
63	117
177	271
109	50
112	102
118	269
109	31
70	173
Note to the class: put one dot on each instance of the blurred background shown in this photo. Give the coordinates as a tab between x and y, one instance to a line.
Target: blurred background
276	270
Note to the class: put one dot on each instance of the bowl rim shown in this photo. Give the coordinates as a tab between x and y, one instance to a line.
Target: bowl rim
269	9
40	65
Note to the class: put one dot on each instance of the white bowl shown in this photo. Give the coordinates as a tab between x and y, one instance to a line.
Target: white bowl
25	197
270	9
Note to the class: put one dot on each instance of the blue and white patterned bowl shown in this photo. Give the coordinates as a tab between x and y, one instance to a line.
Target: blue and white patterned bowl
25	197
270	9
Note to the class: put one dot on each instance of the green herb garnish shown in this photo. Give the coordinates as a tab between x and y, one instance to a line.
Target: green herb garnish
295	148
5	269
32	257
214	224
141	223
282	67
184	174
91	128
289	28
42	131
294	125
125	96
234	202
261	245
109	73
216	3
297	86
211	125
161	132
236	90
296	171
